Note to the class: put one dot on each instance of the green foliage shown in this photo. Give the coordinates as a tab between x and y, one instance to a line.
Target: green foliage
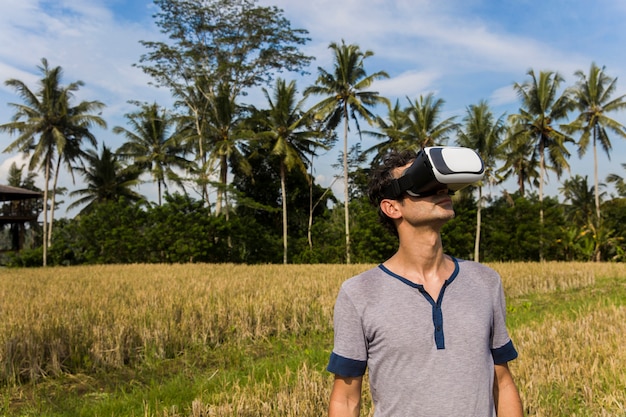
371	241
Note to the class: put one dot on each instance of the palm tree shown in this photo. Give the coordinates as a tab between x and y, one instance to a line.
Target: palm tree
592	95
483	133
620	183
577	192
49	128
224	118
580	211
106	180
16	178
541	107
286	127
519	160
392	132
153	144
212	129
346	97
424	124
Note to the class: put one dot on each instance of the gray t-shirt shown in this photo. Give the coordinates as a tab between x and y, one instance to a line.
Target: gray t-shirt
425	357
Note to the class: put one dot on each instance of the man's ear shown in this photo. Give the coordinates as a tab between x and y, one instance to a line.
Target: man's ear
391	208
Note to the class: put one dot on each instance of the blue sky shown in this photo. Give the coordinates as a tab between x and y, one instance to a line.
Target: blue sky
460	50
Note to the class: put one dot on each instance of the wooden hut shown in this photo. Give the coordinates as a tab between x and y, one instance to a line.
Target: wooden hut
18	206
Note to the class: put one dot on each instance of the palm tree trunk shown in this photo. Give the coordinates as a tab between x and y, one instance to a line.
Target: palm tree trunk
520	181
45	214
598	252
283	191
53	202
310	225
221	191
542	167
345	183
478	221
203	161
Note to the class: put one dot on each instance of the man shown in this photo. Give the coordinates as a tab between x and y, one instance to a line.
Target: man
429	328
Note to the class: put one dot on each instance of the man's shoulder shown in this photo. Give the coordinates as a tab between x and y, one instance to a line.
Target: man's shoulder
477	270
365	277
365	280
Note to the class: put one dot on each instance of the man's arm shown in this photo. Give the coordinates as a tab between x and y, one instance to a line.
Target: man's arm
345	398
505	394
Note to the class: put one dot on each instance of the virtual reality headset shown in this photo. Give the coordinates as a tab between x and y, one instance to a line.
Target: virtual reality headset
436	168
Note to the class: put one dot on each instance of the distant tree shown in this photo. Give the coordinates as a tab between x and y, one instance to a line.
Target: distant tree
153	144
579	199
482	132
346	96
620	184
286	126
217	48
392	132
50	128
226	132
424	124
542	106
519	161
614	220
18	178
592	97
106	180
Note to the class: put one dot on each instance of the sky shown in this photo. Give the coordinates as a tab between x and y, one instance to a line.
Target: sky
462	51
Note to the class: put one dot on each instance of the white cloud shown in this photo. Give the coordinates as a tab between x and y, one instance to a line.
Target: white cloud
407	84
503	95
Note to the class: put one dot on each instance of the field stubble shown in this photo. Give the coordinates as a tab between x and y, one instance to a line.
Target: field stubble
84	320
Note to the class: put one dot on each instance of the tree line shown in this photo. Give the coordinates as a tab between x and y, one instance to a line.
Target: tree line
258	163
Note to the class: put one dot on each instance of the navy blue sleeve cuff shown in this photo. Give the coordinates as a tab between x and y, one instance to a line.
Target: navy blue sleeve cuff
504	353
345	366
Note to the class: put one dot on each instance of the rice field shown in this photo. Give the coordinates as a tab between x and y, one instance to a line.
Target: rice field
568	321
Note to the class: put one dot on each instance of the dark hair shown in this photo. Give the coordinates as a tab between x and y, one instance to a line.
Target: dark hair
381	176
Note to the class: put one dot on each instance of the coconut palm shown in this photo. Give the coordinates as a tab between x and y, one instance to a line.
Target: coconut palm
581	210
483	133
345	89
592	97
391	131
106	179
285	126
18	178
49	128
153	144
519	161
542	106
620	183
424	124
224	134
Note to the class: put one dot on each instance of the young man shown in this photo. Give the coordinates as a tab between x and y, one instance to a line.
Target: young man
429	328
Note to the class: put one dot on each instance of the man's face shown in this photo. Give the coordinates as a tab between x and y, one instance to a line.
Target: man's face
419	210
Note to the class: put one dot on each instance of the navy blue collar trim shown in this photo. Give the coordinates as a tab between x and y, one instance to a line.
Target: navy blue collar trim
419	286
436	305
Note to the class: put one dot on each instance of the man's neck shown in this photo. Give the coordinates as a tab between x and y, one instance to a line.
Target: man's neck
420	258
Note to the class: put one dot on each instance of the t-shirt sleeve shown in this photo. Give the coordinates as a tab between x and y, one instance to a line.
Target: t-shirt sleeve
349	355
502	348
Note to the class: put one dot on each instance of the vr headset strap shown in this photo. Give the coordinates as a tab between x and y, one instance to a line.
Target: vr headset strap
398	186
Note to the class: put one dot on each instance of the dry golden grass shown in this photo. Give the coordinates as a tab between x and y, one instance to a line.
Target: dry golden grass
575	366
521	278
63	319
79	319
